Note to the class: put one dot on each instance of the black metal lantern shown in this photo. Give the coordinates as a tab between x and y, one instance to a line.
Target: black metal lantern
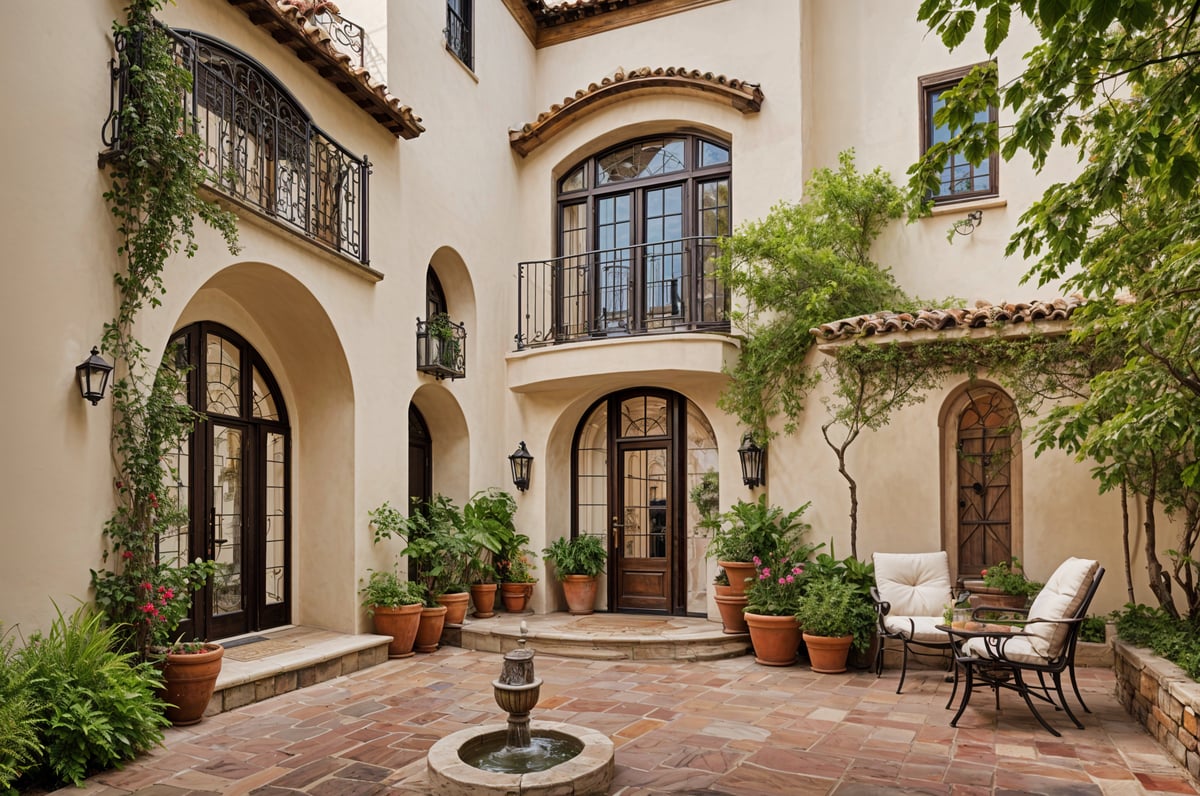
92	375
521	460
754	462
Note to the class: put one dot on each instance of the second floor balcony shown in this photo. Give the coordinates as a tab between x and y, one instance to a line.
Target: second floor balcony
442	347
259	145
649	288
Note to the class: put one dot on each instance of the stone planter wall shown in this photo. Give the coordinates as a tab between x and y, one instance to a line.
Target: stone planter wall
1162	698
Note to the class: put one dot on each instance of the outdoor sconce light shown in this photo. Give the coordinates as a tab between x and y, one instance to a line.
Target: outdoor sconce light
92	375
965	226
521	460
754	461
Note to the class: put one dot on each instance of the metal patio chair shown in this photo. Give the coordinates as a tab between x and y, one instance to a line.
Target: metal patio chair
910	593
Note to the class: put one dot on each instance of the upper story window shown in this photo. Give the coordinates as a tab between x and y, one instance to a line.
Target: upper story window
636	240
460	18
959	179
441	343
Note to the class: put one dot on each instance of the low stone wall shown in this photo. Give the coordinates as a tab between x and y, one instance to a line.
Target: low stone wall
1162	698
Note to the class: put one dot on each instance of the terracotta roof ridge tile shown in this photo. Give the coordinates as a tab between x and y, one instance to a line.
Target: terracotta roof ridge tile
982	315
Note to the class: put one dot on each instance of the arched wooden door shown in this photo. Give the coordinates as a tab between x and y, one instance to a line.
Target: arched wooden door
987	437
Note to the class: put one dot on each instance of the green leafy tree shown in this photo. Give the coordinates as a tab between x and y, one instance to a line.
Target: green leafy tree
802	265
1117	81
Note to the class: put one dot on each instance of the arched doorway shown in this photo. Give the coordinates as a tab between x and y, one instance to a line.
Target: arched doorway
635	456
234	475
983	429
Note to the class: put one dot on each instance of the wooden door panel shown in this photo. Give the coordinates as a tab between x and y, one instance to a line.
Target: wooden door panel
643	528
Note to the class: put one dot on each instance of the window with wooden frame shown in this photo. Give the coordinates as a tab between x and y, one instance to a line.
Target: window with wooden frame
960	179
459	19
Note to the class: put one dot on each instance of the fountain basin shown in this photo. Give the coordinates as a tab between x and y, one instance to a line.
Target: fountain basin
591	771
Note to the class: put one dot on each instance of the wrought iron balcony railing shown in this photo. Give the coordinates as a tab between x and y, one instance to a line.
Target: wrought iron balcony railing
347	36
259	145
670	286
442	347
458	37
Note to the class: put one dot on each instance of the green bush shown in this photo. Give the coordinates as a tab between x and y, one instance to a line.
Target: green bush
1177	640
19	744
1093	629
583	555
92	708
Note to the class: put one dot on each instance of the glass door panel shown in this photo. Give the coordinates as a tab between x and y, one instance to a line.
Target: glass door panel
642	528
227	516
663	220
614	261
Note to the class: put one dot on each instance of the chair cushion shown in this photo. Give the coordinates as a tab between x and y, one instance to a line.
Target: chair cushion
917	628
1060	598
1019	649
916	584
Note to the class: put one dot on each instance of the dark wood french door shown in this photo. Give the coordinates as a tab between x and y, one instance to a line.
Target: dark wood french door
643	535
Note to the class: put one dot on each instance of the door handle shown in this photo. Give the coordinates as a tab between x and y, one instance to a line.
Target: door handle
613	532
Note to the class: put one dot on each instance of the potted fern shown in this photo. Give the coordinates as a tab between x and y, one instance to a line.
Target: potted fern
577	564
395	607
834	616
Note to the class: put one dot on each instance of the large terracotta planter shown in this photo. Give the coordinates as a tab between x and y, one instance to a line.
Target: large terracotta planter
429	631
401	624
580	591
188	682
483	595
986	595
733	617
776	639
456	606
738	572
516	596
827	654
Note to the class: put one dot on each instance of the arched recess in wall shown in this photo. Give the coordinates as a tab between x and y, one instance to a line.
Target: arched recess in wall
449	441
286	326
450	290
981	478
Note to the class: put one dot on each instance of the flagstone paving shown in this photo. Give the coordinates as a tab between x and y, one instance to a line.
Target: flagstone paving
715	727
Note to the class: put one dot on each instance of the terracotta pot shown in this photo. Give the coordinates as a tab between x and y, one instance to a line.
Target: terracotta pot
401	624
738	572
188	682
828	654
456	606
986	595
580	591
776	639
483	595
429	631
515	596
733	618
722	590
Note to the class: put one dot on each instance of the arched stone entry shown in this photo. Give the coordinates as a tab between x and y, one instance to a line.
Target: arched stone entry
635	456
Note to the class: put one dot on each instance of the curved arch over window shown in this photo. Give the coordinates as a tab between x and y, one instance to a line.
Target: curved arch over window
635	457
637	230
234	476
982	477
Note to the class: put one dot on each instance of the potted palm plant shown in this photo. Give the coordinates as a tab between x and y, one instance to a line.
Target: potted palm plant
395	607
488	522
577	563
754	529
834	616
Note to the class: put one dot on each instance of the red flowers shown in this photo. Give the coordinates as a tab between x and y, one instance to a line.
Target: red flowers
127	554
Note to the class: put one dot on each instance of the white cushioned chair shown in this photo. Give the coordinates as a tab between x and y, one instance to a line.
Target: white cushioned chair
1044	643
911	592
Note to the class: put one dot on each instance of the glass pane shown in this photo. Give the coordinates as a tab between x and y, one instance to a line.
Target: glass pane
643	159
574	181
613	261
222	376
227	519
644	416
711	154
645	499
264	401
591	467
701	459
573	278
276	520
173	547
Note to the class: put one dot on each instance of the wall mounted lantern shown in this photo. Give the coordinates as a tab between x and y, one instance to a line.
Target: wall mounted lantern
521	460
754	462
92	375
965	226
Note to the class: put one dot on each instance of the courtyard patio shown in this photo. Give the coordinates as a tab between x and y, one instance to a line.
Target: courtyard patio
722	726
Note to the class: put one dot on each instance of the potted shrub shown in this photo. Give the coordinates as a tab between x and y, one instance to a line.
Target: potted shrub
517	579
395	606
772	599
834	617
754	529
488	522
577	563
443	330
1004	585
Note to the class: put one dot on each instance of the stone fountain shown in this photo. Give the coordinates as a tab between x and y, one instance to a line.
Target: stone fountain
522	756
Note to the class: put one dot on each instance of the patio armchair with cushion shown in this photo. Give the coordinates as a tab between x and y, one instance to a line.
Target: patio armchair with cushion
910	593
1042	641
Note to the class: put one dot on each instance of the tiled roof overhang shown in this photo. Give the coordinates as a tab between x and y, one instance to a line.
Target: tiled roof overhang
983	320
553	23
743	96
288	26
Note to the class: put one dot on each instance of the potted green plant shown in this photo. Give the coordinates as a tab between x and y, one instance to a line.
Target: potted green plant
772	599
395	606
834	617
488	520
444	331
517	579
577	563
753	529
1004	585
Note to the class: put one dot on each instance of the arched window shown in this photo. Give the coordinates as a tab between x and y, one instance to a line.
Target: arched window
637	226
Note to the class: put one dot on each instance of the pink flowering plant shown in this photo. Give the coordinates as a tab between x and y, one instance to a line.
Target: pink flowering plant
778	586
